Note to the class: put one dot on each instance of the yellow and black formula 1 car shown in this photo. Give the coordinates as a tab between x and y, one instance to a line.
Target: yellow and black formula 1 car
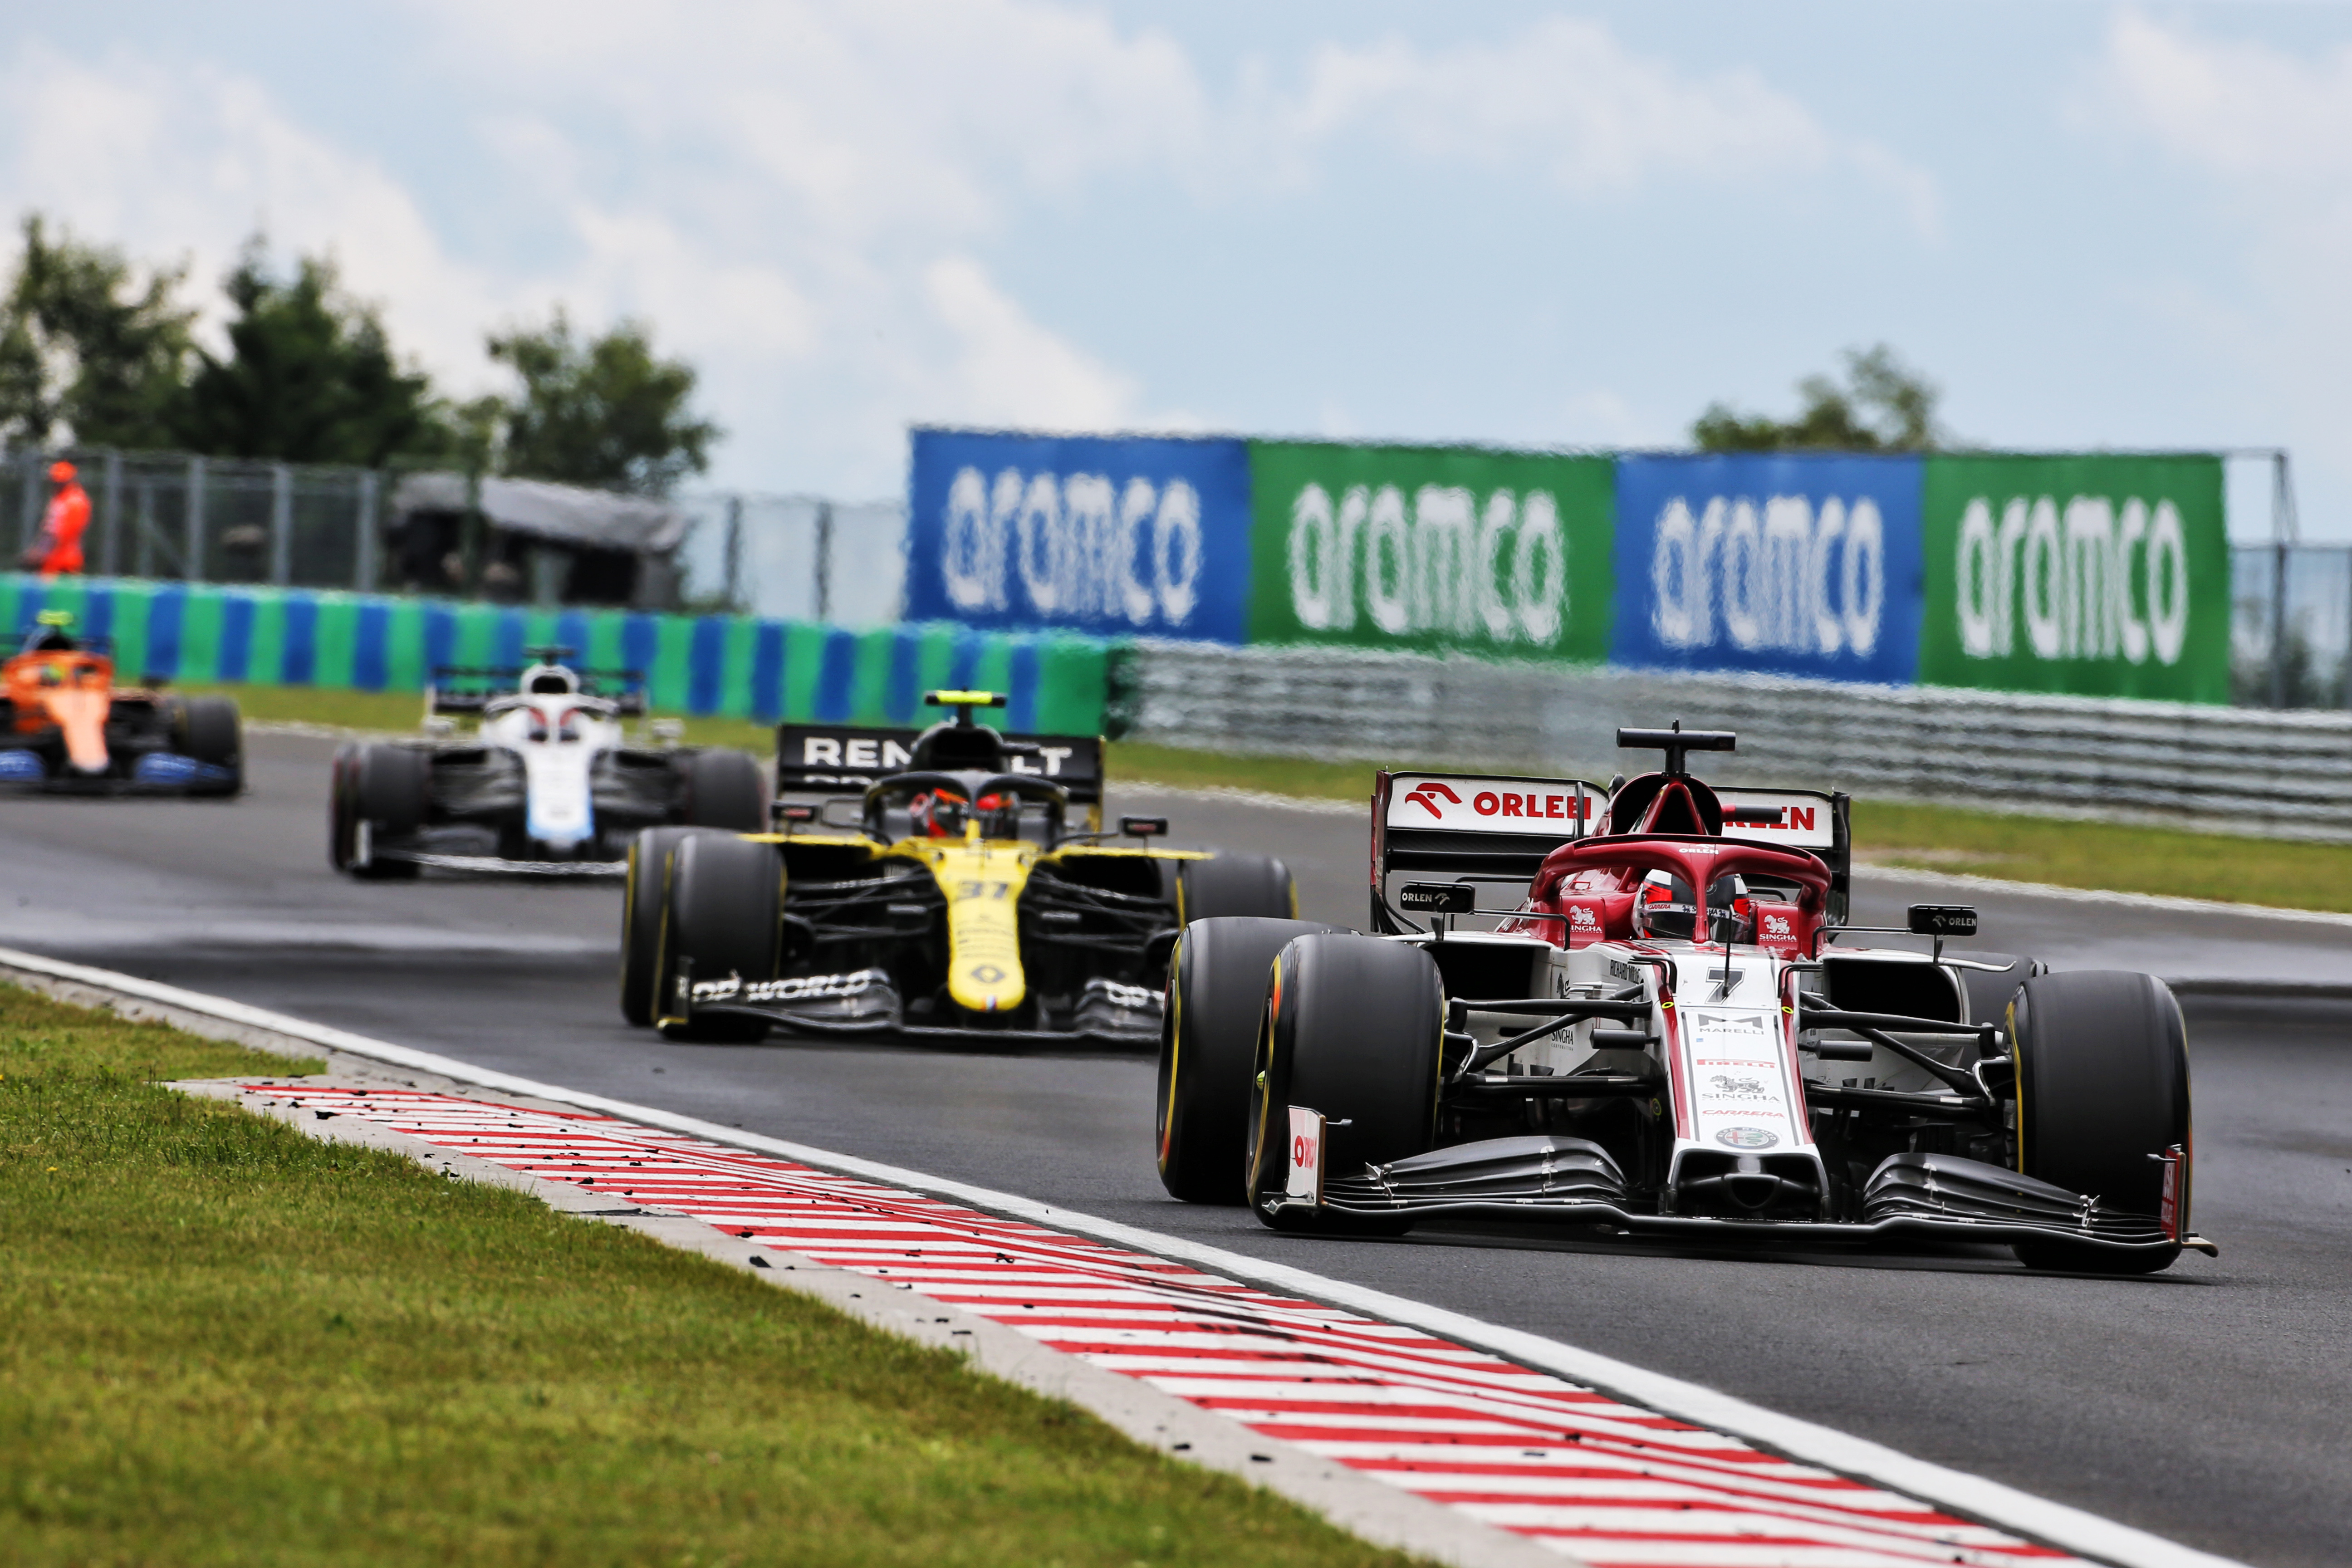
965	889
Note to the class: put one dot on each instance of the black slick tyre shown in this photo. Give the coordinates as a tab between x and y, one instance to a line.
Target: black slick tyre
1224	884
208	729
2102	1088
724	915
1217	980
641	893
385	788
722	789
1354	1028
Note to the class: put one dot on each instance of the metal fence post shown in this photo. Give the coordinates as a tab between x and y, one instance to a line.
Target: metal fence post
825	561
193	567
143	553
2278	625
735	552
29	523
281	525
363	574
110	546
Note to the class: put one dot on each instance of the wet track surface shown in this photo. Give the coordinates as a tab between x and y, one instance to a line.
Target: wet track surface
2212	1404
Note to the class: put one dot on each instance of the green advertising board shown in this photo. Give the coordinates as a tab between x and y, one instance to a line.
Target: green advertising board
1507	555
2102	576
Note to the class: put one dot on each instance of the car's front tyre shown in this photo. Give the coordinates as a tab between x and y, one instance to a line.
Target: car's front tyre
2102	1059
1354	1028
1217	982
724	916
643	890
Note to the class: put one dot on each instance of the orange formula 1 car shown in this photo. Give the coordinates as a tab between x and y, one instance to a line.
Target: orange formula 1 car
65	726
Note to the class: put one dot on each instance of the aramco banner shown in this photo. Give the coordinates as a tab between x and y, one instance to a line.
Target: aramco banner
2098	576
1788	564
1115	536
2105	576
1431	548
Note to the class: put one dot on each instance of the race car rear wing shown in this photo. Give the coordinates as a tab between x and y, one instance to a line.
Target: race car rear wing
1805	819
842	759
460	689
1473	825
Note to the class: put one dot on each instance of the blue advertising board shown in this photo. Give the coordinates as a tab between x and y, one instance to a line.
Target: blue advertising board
1803	564
1115	536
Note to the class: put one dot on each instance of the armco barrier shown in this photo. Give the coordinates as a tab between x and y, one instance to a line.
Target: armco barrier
2242	769
734	666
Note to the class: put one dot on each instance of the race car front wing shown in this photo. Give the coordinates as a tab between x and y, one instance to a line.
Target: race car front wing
1572	1181
866	1002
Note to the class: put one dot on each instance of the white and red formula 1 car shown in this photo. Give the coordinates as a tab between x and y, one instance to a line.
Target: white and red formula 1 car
1673	1033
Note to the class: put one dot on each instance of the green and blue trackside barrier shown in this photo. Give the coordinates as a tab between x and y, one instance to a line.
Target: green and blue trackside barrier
197	634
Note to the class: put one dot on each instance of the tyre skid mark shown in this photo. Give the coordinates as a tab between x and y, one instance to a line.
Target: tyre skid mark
1560	1464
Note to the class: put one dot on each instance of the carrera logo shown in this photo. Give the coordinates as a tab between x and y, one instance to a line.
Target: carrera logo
1425	795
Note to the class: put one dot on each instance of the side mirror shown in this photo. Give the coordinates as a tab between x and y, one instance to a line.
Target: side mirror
668	732
1943	919
1438	898
1144	826
796	811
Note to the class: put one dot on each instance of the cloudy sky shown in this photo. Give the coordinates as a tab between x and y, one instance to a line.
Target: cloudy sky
2095	224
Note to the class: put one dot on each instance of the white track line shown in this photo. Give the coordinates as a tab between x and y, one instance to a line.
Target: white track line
2057	1524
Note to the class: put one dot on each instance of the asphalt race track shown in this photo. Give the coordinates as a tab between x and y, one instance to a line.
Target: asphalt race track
2212	1404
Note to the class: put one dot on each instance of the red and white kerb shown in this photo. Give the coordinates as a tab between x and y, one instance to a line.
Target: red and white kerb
1597	1478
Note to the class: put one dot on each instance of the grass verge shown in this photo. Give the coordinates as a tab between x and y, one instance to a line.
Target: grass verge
228	1344
2117	857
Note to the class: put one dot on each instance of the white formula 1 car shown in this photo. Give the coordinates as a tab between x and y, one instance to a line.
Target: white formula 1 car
1671	1033
546	785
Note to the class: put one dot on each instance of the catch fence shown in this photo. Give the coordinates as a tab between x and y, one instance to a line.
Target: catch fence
175	516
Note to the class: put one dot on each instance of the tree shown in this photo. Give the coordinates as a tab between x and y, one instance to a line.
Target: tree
603	412
88	353
1885	406
309	378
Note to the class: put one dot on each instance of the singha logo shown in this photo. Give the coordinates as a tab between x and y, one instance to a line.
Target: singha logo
1745	1087
1778	926
1580	917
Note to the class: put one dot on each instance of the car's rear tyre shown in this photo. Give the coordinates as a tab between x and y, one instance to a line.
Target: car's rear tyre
642	893
1217	982
723	789
1355	1029
723	915
1257	886
384	787
2102	1087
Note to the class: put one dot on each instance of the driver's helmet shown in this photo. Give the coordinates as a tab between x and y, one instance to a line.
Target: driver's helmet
939	813
1000	816
1664	907
1731	911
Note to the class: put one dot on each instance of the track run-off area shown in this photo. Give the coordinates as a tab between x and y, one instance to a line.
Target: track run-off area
2211	1404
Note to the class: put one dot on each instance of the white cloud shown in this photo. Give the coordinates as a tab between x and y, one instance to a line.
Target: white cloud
803	198
2273	131
189	161
1564	96
2235	107
1008	370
